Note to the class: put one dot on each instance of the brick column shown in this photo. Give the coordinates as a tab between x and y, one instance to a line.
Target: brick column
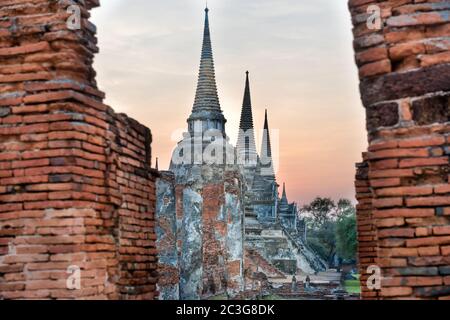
367	234
404	70
166	231
76	187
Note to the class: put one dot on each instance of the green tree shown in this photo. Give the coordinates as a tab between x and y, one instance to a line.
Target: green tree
331	228
346	230
321	211
344	208
321	238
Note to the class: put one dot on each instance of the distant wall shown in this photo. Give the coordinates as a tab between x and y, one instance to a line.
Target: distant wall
403	184
76	188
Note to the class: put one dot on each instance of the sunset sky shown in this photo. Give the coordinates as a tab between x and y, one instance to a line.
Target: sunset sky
299	54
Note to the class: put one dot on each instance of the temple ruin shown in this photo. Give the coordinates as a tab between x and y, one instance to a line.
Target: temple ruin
80	201
218	206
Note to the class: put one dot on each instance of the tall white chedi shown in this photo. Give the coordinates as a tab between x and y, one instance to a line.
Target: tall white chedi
208	184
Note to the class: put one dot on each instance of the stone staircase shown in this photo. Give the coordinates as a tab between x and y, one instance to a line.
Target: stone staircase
268	268
252	226
311	258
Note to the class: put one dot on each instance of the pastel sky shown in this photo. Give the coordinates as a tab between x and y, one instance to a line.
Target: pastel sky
299	54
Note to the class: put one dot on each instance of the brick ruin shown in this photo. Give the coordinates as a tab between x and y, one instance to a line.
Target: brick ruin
222	227
403	183
76	187
77	191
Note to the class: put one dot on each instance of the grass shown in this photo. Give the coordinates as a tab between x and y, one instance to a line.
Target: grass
352	286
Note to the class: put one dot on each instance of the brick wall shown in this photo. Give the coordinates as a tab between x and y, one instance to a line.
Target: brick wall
403	185
367	234
76	188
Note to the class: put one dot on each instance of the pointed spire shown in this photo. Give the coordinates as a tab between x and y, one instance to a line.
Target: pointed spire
246	113
266	145
206	97
284	199
266	151
157	164
246	145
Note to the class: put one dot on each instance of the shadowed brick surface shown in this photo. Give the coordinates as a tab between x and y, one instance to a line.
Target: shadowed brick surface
403	184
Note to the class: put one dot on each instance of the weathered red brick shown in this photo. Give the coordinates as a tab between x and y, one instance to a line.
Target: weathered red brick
387	202
29	48
375	68
396	291
441	230
429	251
428	201
409	163
396	232
405	191
430	241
